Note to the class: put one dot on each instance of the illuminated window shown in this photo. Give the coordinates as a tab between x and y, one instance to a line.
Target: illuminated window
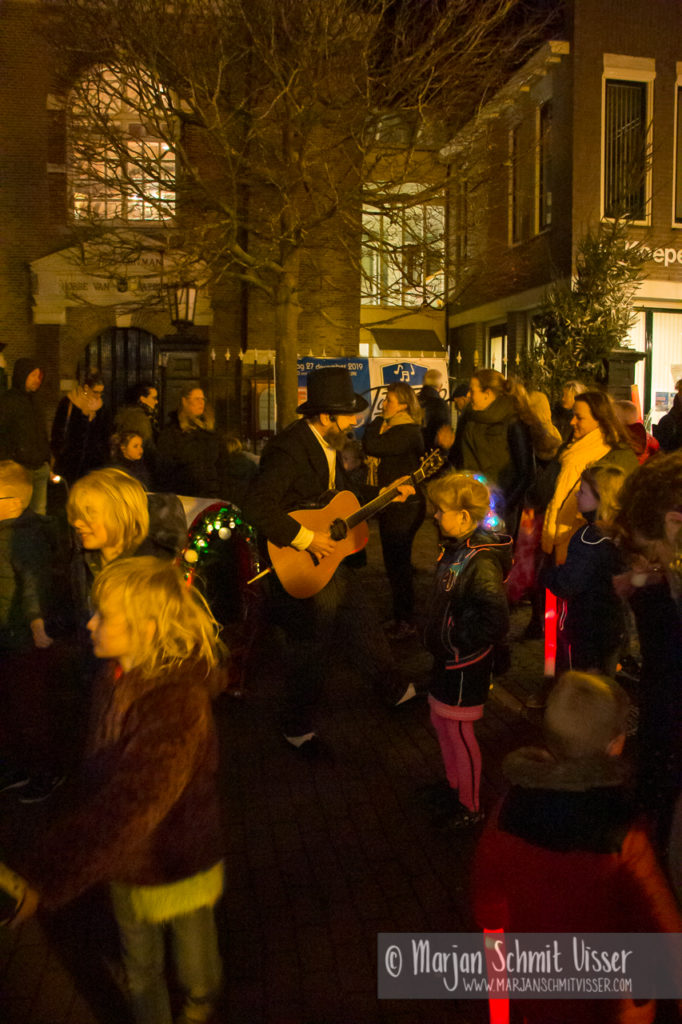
402	253
122	160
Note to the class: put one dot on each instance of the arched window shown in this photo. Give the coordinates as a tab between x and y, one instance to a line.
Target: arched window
121	137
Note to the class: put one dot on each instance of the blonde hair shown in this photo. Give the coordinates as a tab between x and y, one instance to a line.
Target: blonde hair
585	713
606	483
148	590
15	482
460	492
406	395
122	502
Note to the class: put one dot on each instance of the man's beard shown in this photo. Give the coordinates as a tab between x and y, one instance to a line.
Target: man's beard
335	437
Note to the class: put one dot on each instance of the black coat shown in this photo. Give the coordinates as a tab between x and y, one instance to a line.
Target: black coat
399	449
436	414
79	444
468	615
25	577
496	443
595	617
188	460
293	474
23	434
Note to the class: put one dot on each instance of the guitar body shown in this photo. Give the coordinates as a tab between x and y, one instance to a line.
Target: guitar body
298	572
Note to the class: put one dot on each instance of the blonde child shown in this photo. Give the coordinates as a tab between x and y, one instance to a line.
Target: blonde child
592	625
108	510
148	822
468	616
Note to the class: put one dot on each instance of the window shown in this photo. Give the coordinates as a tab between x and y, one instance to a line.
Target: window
678	159
122	160
544	166
627	119
522	184
402	252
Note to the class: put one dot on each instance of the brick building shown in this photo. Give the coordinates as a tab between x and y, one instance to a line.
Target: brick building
590	124
58	304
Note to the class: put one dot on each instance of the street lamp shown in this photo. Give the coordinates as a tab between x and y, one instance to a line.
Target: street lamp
182	298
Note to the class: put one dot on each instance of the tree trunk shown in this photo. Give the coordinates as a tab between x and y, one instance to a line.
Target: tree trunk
287	313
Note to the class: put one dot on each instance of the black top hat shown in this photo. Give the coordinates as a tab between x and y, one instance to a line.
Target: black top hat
330	389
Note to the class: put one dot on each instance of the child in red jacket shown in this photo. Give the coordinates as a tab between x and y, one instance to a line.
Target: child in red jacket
565	852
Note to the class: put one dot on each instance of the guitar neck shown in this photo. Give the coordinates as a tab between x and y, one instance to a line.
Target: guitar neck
376	505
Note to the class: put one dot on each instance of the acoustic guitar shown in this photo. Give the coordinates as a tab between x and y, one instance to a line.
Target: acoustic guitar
301	573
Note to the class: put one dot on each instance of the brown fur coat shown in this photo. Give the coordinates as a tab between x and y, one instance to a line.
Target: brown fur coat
149	813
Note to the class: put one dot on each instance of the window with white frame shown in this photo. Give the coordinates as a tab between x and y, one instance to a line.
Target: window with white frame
403	251
122	161
626	137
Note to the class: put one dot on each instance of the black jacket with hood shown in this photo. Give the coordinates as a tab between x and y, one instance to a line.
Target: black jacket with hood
23	434
468	616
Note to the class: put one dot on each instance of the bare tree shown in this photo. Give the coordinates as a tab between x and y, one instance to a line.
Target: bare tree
245	135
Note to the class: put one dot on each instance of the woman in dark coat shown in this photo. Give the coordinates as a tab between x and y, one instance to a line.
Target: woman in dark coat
80	431
492	439
396	439
189	448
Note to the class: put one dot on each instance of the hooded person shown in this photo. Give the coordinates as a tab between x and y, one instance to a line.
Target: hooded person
23	434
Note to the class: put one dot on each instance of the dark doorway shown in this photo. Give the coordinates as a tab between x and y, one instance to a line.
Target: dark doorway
125	357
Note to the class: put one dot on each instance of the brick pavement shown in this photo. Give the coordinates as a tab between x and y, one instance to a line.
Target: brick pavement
320	857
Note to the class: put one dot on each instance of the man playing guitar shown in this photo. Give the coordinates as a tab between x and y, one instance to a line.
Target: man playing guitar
298	466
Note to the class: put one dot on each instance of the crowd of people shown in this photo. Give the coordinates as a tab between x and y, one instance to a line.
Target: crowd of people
577	502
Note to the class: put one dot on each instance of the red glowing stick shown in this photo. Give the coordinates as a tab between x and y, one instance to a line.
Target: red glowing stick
550	633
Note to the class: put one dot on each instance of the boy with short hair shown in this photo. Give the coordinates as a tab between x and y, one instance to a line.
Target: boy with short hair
565	853
25	571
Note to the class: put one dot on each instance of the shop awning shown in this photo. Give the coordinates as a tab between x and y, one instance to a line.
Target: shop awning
406	339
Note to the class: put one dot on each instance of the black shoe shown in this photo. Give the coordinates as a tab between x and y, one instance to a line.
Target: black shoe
438	796
12	778
464	819
313	749
40	787
533	631
536	701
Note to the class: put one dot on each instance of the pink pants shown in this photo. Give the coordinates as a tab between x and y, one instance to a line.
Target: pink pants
460	749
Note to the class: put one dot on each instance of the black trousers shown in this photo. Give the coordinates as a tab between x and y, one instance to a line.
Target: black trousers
398	525
338	622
